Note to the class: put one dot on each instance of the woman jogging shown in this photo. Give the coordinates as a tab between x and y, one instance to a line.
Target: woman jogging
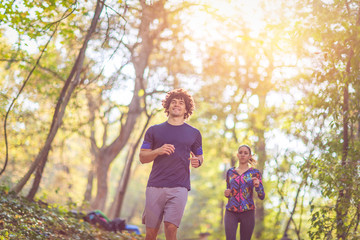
241	182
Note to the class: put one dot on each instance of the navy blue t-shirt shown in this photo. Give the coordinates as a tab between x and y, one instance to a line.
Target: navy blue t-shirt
172	170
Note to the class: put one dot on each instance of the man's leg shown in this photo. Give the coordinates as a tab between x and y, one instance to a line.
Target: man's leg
170	231
153	212
174	210
151	233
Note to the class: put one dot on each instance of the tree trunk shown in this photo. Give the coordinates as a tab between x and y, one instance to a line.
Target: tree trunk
70	84
261	152
343	201
37	180
102	169
139	58
106	155
89	186
93	106
90	182
115	209
291	219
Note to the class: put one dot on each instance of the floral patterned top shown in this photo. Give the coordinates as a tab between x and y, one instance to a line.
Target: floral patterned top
241	186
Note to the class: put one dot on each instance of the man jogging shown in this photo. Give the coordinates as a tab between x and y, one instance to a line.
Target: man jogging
172	146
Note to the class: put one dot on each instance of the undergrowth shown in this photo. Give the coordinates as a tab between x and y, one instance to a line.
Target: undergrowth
23	219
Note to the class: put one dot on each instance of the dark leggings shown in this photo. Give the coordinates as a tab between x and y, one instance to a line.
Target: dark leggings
247	224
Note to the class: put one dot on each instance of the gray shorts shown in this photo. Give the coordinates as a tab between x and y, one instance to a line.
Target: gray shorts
164	203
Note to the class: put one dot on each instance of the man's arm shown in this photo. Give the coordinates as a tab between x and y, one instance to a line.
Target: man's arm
148	155
196	160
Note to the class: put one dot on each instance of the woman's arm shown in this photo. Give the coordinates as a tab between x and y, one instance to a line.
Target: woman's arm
259	188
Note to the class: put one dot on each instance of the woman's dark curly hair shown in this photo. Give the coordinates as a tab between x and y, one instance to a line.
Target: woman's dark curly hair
179	94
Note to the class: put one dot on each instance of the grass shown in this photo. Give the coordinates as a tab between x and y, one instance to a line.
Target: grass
23	219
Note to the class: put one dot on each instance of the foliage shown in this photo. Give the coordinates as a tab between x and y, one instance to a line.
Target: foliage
331	97
280	85
22	219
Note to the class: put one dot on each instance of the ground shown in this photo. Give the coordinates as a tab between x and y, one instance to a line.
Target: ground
23	219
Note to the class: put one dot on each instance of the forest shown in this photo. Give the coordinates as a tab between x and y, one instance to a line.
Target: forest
82	80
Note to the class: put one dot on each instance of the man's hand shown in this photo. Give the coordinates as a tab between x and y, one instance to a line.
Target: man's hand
227	193
195	161
148	155
166	149
256	181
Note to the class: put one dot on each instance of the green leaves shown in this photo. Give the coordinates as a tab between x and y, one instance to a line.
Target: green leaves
332	114
21	219
320	223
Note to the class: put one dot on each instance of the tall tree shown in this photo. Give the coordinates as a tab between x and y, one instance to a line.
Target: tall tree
115	208
334	33
71	82
156	26
26	25
140	52
243	70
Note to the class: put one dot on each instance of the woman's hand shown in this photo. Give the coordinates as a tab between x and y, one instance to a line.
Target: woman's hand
227	193
256	181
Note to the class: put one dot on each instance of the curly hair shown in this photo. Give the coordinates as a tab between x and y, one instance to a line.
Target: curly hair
252	161
179	94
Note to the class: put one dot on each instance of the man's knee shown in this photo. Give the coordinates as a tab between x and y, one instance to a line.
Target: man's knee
151	233
170	230
170	226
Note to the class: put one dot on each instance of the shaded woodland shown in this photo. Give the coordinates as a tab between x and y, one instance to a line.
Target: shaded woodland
81	81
